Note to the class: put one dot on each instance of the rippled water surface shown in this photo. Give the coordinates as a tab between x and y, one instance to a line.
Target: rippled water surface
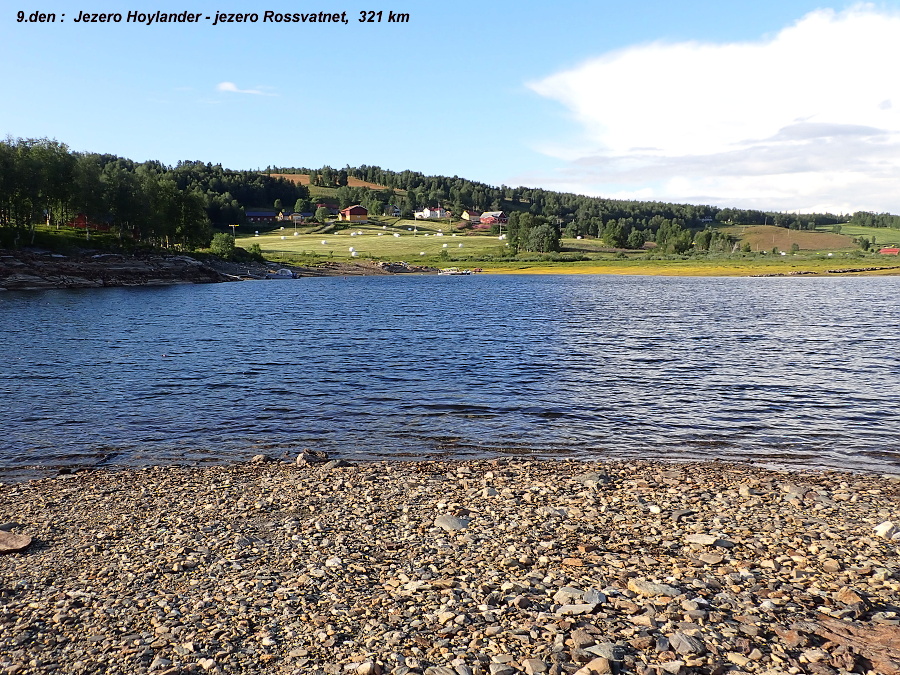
793	372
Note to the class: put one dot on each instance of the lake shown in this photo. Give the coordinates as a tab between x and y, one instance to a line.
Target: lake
790	372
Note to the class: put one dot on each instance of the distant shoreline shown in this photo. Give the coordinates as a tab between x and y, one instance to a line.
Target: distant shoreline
43	270
25	270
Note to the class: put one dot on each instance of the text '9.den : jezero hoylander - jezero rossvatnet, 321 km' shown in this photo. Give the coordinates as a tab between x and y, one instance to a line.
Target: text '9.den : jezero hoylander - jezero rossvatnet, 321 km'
215	19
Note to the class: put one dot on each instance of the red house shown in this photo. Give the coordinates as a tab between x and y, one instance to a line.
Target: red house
81	222
492	217
889	251
261	216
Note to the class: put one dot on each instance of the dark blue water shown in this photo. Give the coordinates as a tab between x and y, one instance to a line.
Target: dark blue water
791	372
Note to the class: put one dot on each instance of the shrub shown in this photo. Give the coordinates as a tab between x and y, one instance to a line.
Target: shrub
222	245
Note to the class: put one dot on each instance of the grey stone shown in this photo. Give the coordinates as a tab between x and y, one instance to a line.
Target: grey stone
567	595
575	610
686	644
649	589
594	596
451	523
608	650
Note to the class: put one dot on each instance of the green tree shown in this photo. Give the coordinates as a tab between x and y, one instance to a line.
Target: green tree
222	245
614	234
543	239
635	239
322	214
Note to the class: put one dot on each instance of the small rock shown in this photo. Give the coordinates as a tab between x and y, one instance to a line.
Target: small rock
649	589
567	595
608	650
368	668
581	638
6	527
259	459
575	610
451	523
708	540
159	663
501	669
595	596
596	666
308	456
13	543
831	565
207	664
738	659
814	655
702	539
679	514
887	529
673	667
849	596
534	666
712	558
686	644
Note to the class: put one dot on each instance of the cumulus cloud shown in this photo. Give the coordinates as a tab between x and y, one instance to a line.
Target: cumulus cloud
233	88
805	119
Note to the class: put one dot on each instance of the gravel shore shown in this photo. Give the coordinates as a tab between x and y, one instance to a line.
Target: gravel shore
451	568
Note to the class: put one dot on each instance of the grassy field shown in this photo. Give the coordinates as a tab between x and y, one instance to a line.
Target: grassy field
303	179
730	267
882	236
764	237
388	239
427	244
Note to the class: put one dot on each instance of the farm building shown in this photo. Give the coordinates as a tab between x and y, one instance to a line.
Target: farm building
81	222
471	216
431	213
354	214
889	251
492	217
261	216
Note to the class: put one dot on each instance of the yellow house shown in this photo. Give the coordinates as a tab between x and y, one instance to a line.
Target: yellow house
354	214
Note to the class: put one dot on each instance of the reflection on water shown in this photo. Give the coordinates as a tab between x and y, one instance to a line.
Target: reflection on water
796	372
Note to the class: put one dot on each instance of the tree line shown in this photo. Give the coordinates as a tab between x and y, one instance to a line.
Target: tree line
145	203
41	180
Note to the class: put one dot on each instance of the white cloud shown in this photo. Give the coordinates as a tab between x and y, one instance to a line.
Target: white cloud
232	87
808	119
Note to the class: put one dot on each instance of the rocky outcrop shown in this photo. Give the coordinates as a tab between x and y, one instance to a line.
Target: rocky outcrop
28	270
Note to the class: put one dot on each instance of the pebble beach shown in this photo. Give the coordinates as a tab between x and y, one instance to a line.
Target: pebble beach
494	567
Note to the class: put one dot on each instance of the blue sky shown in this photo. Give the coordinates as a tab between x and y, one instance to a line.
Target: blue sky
786	105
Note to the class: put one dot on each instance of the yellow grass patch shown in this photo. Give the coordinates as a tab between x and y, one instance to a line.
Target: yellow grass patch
303	179
764	237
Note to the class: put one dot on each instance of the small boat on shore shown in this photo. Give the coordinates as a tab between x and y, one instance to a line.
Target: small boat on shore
454	272
283	273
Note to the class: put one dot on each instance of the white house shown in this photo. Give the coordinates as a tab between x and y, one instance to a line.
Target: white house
431	213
